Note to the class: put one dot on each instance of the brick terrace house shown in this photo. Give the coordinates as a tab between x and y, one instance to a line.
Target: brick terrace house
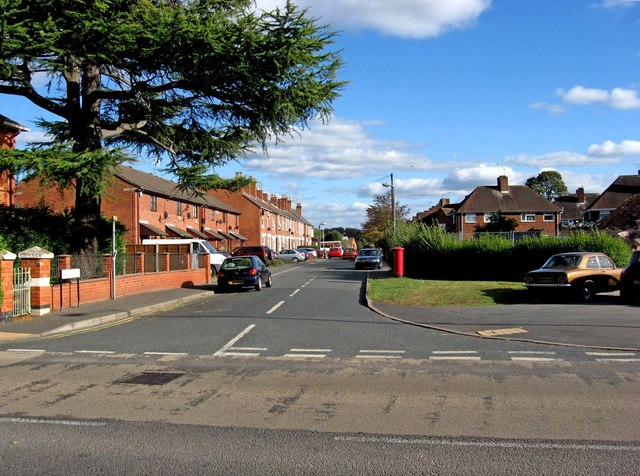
268	220
150	207
623	188
573	207
531	211
441	214
9	130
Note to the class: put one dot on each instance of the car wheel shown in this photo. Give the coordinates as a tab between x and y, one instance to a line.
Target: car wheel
259	284
269	282
586	291
295	260
221	289
626	295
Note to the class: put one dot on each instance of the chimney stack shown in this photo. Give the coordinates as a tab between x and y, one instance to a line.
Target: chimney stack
299	209
580	194
503	184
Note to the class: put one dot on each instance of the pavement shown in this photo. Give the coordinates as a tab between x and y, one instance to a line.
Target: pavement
604	324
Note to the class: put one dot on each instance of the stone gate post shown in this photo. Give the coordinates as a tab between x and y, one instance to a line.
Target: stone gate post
38	261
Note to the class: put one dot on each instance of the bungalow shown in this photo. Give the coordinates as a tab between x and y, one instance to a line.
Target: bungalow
531	211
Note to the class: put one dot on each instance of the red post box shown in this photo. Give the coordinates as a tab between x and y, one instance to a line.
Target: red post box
398	262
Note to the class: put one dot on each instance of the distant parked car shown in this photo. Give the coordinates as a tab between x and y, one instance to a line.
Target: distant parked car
349	253
310	251
581	274
335	252
369	258
243	272
292	255
630	280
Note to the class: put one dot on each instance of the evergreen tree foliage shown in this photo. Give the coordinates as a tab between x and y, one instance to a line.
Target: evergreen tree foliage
194	83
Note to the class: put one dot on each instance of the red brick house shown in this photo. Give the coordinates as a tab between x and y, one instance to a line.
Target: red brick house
531	211
268	220
9	130
150	207
441	214
623	188
573	207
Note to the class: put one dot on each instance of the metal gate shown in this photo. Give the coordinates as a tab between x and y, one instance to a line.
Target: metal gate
21	291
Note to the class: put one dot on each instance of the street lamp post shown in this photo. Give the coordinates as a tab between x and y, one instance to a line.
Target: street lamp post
393	202
322	238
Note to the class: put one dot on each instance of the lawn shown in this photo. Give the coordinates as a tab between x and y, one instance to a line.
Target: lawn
417	292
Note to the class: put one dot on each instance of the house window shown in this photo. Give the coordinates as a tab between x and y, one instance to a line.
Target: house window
565	223
470	218
212	214
195	212
153	203
527	217
547	217
179	208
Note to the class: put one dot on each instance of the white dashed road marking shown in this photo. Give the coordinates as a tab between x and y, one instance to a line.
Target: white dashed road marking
308	353
275	307
380	354
454	355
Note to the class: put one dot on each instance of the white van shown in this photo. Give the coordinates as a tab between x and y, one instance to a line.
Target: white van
162	245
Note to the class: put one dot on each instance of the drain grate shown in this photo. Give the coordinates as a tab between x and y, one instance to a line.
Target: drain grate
151	378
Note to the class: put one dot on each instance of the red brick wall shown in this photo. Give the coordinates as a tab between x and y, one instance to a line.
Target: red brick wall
548	227
6	283
92	290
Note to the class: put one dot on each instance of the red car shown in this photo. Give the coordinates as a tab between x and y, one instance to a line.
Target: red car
349	253
335	252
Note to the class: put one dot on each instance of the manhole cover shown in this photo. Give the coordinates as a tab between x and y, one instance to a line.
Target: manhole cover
150	378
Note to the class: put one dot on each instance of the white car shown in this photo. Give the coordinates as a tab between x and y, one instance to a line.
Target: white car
291	255
309	251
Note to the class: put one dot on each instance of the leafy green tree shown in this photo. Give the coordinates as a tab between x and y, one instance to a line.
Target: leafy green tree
380	218
548	183
195	83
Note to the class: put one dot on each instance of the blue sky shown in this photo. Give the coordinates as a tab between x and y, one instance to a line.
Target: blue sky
449	94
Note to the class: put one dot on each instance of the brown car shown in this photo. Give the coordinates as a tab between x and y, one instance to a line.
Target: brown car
262	252
581	274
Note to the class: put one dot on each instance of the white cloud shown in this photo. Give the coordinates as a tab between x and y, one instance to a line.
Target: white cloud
406	18
610	149
617	98
464	180
341	148
552	108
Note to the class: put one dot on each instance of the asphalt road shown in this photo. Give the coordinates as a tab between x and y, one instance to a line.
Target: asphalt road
302	377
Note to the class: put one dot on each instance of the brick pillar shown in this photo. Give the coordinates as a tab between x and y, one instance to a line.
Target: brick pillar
139	260
167	260
64	262
39	262
107	265
6	285
206	264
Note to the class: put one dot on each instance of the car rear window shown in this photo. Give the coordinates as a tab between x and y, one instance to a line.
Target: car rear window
237	263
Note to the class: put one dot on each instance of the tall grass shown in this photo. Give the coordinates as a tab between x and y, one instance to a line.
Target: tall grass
434	254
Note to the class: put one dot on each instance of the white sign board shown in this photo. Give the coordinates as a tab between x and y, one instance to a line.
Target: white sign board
70	273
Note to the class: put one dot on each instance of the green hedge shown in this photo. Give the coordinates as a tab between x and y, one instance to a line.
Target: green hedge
430	253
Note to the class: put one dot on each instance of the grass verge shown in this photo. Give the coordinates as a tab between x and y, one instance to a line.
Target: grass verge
418	292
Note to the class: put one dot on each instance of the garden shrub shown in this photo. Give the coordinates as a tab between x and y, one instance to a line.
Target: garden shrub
431	253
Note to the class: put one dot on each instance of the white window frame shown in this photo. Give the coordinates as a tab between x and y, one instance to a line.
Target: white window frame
548	216
470	218
526	217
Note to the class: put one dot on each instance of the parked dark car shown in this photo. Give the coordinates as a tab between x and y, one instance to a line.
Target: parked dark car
369	258
262	252
581	274
243	272
630	279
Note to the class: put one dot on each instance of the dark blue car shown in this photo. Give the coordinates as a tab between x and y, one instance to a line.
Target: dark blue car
243	272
